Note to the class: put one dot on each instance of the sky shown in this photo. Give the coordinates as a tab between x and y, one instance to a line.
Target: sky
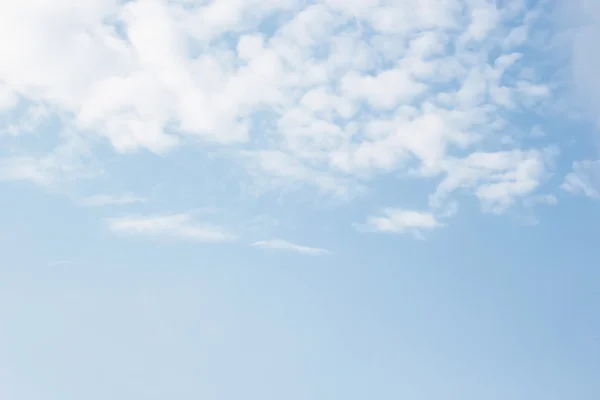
299	199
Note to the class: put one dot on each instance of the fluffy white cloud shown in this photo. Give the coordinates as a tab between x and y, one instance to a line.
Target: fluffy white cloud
395	220
329	94
584	179
179	226
283	245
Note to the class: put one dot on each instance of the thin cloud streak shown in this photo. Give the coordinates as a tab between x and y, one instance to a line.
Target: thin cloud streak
283	245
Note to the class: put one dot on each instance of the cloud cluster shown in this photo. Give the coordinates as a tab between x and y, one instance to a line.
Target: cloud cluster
326	94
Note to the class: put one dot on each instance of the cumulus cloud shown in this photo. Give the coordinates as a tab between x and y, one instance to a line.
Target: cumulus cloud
180	226
283	245
401	221
328	95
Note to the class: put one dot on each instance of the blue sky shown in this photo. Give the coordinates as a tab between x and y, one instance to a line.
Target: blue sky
272	199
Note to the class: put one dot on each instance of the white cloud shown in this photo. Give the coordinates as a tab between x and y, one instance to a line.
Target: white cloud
108	200
283	245
329	94
27	169
497	178
584	179
397	220
180	226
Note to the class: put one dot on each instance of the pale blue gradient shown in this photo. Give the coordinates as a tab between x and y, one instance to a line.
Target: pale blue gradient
487	307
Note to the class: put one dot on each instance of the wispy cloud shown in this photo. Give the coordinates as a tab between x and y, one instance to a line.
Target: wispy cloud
583	19
59	263
108	200
584	179
179	226
544	199
283	245
69	160
38	171
400	221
